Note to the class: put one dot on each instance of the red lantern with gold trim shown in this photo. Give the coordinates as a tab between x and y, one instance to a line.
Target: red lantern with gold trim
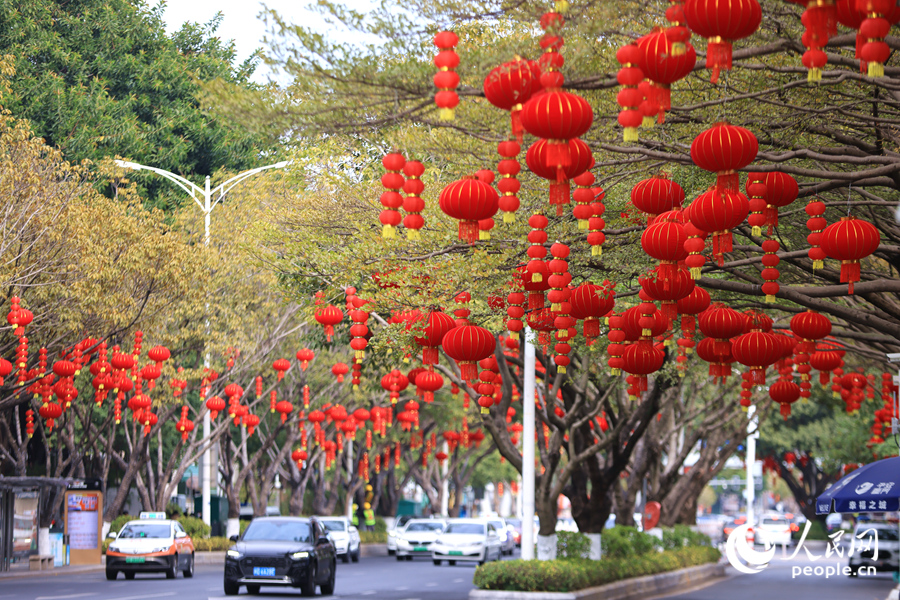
849	241
721	22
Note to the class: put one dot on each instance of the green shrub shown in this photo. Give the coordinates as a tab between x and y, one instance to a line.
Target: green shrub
373	537
577	574
194	527
572	545
213	544
173	511
623	542
120	521
682	536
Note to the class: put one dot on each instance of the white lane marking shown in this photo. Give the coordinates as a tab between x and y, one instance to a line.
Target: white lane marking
369	593
457	581
144	596
401	588
66	596
431	584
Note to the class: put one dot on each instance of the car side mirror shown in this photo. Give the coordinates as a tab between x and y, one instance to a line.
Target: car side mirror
112	535
181	534
233	538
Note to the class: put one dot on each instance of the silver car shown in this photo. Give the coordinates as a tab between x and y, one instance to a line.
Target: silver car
471	540
507	541
344	536
416	538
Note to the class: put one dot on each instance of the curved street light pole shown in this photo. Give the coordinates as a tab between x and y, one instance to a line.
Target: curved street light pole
203	197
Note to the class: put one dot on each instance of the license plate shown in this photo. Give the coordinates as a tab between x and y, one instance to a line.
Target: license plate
264	571
135	559
455	553
420	549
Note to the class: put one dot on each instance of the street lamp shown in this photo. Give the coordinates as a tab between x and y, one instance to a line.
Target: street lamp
203	197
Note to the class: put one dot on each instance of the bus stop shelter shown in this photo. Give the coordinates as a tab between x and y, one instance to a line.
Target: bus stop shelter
10	525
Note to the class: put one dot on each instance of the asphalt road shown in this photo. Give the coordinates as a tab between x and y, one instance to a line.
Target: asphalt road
372	577
782	580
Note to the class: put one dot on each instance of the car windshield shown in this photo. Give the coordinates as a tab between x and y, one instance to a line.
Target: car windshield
277	531
514	522
466	528
145	531
334	525
424	527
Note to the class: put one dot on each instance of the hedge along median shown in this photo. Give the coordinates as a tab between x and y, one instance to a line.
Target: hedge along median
627	553
568	575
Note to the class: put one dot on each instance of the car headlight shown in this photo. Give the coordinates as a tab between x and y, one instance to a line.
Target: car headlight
392	534
233	554
402	542
160	549
300	555
113	548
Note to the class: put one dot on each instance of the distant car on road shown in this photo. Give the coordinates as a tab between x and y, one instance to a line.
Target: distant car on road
507	542
281	551
399	523
344	536
888	547
150	545
516	526
417	537
472	540
773	530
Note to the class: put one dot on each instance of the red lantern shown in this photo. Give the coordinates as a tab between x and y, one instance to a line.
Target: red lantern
810	326
656	195
770	274
724	149
510	85
781	190
784	393
446	80
825	361
329	316
722	323
470	201
591	303
756	350
438	324
304	356
540	159
467	345
849	241
596	224
722	22
718	212
298	456
663	67
285	408
339	370
281	366
413	203
664	240
668	287
642	359
429	382
159	354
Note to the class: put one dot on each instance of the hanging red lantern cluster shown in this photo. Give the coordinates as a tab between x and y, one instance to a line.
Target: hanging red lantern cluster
509	185
359	331
583	197
630	97
413	204
184	425
391	199
509	86
515	310
770	273
469	200
757	349
722	22
485	225
615	349
849	241
596	224
688	307
816	224
854	14
435	327
820	20
756	194
446	80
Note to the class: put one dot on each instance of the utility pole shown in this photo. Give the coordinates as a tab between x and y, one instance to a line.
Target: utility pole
203	198
528	431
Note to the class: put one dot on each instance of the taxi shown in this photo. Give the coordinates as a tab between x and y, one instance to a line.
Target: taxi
150	544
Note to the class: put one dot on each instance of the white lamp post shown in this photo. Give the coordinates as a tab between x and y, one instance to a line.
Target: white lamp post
203	197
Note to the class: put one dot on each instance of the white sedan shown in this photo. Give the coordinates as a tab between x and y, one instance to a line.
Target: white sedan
773	530
471	540
416	538
344	536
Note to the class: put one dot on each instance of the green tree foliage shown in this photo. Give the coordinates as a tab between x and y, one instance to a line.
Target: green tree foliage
99	78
